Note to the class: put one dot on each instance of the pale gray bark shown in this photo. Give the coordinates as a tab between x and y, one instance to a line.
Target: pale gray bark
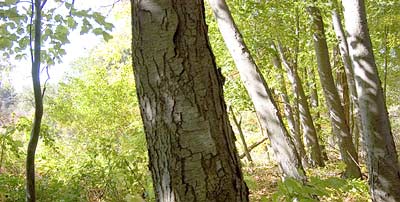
309	132
354	118
383	165
341	84
192	154
282	144
336	112
296	135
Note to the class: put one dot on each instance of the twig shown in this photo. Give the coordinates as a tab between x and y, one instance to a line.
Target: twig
48	78
251	147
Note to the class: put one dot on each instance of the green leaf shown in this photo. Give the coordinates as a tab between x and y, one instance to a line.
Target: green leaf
71	23
58	18
97	31
107	36
11	2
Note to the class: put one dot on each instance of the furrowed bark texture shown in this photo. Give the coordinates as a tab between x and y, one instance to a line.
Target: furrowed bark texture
282	144
336	112
383	165
30	158
307	124
190	142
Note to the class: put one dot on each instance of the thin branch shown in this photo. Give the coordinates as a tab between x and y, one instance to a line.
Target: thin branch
251	147
111	5
43	3
30	31
48	78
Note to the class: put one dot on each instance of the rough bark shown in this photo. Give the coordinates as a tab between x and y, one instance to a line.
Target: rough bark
355	119
296	135
336	112
309	132
382	161
282	144
191	145
30	158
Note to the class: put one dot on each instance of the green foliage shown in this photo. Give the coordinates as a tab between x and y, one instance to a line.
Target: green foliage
330	189
103	139
58	21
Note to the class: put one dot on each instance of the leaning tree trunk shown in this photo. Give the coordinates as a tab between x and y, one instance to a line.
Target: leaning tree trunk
282	144
336	112
355	119
383	165
296	135
309	132
30	158
191	145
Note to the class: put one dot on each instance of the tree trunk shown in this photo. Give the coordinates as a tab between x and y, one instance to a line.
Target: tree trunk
314	103
383	165
309	132
355	119
30	158
191	145
259	92
341	85
242	138
336	112
296	135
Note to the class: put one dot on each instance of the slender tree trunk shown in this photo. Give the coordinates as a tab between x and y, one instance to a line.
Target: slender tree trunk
341	85
336	112
30	158
191	145
296	135
355	119
309	132
383	165
259	92
242	138
314	103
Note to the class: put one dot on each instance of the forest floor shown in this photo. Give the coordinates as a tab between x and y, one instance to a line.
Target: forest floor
263	180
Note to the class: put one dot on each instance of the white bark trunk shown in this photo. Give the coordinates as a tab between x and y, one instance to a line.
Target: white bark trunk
284	149
383	165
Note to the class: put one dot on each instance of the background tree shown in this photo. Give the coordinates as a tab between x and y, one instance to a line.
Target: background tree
384	171
336	111
264	104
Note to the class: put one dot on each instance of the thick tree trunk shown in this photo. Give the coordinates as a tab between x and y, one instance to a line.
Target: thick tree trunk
296	135
309	132
383	165
355	119
191	145
282	144
31	151
336	112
